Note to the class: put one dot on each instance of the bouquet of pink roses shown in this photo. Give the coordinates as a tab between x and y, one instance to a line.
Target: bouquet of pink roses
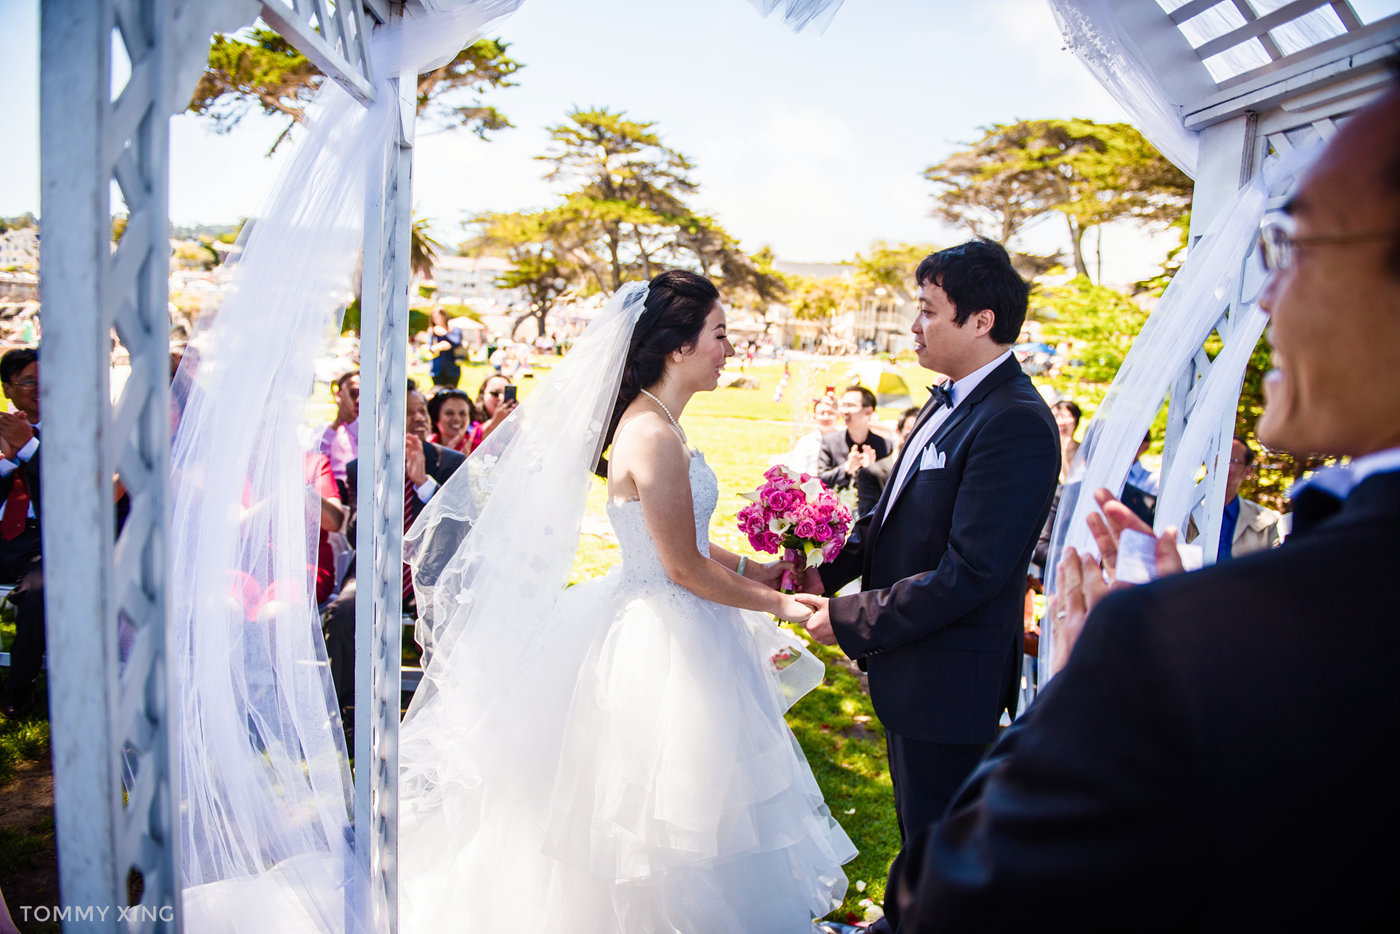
796	514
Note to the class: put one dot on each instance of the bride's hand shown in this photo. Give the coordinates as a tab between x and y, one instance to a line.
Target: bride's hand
793	611
767	573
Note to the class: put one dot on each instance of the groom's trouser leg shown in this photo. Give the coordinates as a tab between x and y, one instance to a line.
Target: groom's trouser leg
925	777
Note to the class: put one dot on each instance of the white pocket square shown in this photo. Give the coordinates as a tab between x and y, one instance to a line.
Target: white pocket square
932	459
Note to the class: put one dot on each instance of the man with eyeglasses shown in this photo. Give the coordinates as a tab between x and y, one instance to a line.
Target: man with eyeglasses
1214	754
1245	526
21	562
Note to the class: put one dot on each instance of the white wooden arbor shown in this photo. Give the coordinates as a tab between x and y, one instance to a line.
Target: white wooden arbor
1245	79
109	717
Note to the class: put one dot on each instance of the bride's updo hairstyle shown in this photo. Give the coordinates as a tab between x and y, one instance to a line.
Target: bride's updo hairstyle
677	304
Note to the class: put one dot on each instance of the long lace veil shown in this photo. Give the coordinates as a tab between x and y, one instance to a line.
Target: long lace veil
494	546
263	779
491	553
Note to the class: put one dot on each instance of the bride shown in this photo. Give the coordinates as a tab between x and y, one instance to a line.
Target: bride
609	757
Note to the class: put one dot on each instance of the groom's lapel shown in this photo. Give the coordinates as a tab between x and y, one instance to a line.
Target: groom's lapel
877	520
905	451
993	379
1001	374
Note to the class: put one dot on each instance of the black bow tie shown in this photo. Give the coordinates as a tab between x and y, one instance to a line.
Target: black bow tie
941	394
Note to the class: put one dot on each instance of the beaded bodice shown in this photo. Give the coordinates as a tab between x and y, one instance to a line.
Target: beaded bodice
640	561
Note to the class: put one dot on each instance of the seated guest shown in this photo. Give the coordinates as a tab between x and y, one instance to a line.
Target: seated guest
340	440
322	485
845	452
1245	526
1138	475
1067	415
1140	488
492	407
1209	758
426	466
870	482
451	414
21	562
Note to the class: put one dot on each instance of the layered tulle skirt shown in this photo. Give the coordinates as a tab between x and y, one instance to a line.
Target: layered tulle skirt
638	777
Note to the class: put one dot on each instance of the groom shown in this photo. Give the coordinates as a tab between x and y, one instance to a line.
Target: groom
943	555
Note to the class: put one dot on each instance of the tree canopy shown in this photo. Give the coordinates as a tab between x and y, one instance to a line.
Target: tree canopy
1101	323
260	69
624	215
626	184
544	252
1089	173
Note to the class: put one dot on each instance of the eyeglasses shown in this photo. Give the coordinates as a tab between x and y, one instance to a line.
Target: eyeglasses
23	383
1277	241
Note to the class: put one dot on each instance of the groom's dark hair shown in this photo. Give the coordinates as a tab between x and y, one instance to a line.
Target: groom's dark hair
677	304
975	275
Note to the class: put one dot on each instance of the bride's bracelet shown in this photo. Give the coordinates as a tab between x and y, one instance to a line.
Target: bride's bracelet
743	563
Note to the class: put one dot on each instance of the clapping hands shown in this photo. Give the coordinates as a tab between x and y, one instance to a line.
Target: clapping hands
860	456
1083	580
415	464
15	432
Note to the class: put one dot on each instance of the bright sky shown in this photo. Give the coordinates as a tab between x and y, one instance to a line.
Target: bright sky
813	144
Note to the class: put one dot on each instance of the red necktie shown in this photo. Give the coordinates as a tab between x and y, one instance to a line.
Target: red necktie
410	496
16	510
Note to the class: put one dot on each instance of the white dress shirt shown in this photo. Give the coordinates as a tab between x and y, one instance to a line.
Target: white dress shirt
959	390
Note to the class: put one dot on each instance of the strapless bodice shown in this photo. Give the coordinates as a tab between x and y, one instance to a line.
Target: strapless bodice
640	561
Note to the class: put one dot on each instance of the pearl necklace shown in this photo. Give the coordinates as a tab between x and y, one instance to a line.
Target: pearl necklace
674	424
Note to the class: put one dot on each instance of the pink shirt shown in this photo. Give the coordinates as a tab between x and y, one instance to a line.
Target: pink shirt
341	444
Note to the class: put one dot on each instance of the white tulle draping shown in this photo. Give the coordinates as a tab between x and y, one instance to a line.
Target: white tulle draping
1221	269
1092	31
263	779
799	15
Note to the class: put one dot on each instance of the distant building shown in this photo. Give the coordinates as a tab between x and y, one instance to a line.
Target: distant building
18	287
19	249
471	280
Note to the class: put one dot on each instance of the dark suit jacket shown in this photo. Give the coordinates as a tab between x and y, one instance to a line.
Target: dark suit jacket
938	626
870	483
439	462
1213	757
836	447
27	544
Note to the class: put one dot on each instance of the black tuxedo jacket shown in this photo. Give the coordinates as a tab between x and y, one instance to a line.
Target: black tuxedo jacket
1214	757
836	447
938	625
30	470
439	463
28	541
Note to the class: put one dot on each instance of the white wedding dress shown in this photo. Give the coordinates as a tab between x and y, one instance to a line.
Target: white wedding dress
641	779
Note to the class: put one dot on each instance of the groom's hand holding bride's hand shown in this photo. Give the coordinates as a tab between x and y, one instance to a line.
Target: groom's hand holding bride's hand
793	610
1081	581
819	624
